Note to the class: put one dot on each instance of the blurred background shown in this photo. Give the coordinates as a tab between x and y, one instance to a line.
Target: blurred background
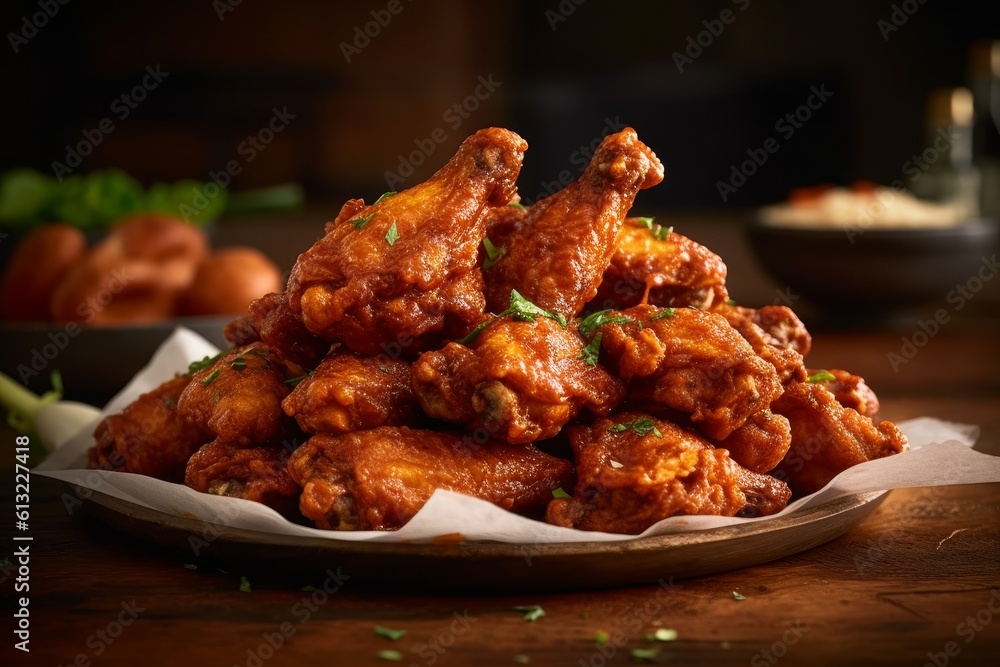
355	99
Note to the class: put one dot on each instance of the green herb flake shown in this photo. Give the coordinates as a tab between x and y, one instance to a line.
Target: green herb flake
5	562
641	426
522	659
294	382
391	656
591	353
644	654
596	320
383	368
730	302
662	635
493	253
821	376
190	566
361	222
212	377
217	397
384	195
204	363
392	235
517	204
601	637
469	337
525	311
239	363
532	612
663	314
659	232
389	633
738	596
308	588
559	493
244	585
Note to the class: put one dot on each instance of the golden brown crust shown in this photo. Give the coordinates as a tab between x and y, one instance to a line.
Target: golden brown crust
253	473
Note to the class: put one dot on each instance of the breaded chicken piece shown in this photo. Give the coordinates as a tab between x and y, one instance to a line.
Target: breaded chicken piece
691	361
238	398
281	330
351	393
148	437
556	256
852	391
520	381
760	443
402	271
634	470
253	473
828	438
661	266
378	479
775	333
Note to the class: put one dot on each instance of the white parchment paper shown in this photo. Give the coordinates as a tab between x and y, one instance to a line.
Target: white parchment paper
941	454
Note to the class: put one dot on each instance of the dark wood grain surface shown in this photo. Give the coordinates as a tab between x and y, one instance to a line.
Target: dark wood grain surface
917	582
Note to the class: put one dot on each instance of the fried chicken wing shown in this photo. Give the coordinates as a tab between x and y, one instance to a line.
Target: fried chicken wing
556	256
828	438
252	473
148	437
402	271
378	479
760	443
634	470
663	267
281	330
775	333
238	398
521	381
351	393
688	360
852	392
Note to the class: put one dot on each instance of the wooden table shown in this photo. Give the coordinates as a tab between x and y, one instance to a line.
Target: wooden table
918	582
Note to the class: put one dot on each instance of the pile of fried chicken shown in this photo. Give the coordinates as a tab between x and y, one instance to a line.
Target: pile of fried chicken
560	360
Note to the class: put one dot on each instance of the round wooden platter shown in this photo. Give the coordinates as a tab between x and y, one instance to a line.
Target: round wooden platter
463	566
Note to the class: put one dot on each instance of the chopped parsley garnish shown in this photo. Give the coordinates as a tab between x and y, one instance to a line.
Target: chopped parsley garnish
592	322
663	314
239	363
309	588
244	585
206	362
590	353
391	656
294	382
659	232
190	566
521	310
217	397
493	253
532	612
644	654
738	596
641	426
517	204
392	235
730	302
361	222
384	195
601	637
212	377
821	376
389	633
522	659
662	635
559	493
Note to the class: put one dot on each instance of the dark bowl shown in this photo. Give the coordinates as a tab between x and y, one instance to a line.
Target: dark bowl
95	362
875	271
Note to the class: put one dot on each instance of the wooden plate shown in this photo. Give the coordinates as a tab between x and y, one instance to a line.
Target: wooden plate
491	566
